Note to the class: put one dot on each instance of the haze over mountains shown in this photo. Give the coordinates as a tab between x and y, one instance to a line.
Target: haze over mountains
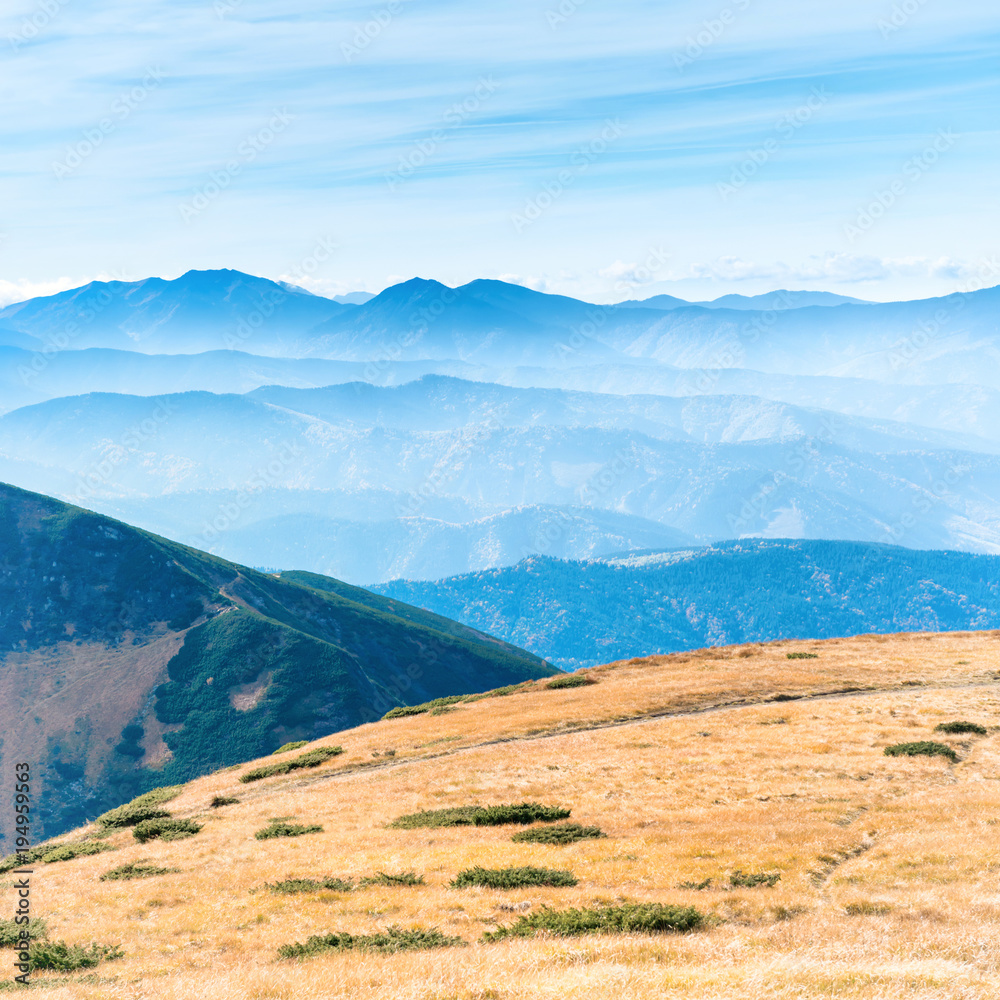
428	431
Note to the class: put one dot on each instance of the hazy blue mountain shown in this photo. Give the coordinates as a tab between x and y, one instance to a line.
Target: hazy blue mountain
583	613
780	299
484	474
201	310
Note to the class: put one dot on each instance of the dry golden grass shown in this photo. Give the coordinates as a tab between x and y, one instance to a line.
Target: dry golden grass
890	867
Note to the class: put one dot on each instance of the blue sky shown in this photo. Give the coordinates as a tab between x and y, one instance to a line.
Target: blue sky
595	148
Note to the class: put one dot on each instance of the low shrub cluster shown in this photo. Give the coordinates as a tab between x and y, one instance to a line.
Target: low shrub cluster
699	886
311	758
925	748
570	681
559	833
750	880
961	727
282	829
294	745
136	869
521	813
294	885
58	956
74	849
391	940
165	829
513	878
223	800
428	706
802	656
10	932
146	806
384	878
629	918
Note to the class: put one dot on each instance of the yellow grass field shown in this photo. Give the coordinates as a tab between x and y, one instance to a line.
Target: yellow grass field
890	866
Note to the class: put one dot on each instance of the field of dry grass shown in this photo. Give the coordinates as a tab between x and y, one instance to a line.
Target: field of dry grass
694	765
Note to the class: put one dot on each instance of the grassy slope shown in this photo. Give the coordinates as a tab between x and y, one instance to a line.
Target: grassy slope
103	626
695	765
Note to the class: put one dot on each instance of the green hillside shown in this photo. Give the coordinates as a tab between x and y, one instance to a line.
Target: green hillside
128	661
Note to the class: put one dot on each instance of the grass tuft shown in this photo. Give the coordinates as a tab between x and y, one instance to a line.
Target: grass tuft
802	656
58	956
279	829
747	880
294	885
384	878
136	869
513	878
165	829
393	939
223	800
570	681
629	918
924	748
961	727
10	931
311	758
146	806
522	813
560	833
294	745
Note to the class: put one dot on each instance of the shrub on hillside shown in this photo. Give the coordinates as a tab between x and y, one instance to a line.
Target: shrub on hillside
74	849
294	745
223	800
802	656
385	879
522	813
281	829
146	806
750	880
165	829
560	833
570	681
925	748
513	878
136	869
10	932
391	940
58	956
295	885
961	727
311	758
629	918
406	710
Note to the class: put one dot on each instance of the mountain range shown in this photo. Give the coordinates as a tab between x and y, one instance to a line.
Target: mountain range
580	614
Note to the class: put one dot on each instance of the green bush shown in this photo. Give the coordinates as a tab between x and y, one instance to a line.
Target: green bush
28	858
311	758
165	829
747	880
629	918
75	849
384	878
391	940
961	727
924	748
136	869
512	878
294	745
699	886
522	813
560	833
276	829
61	957
570	681
10	932
294	885
406	710
802	656
223	800
144	807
